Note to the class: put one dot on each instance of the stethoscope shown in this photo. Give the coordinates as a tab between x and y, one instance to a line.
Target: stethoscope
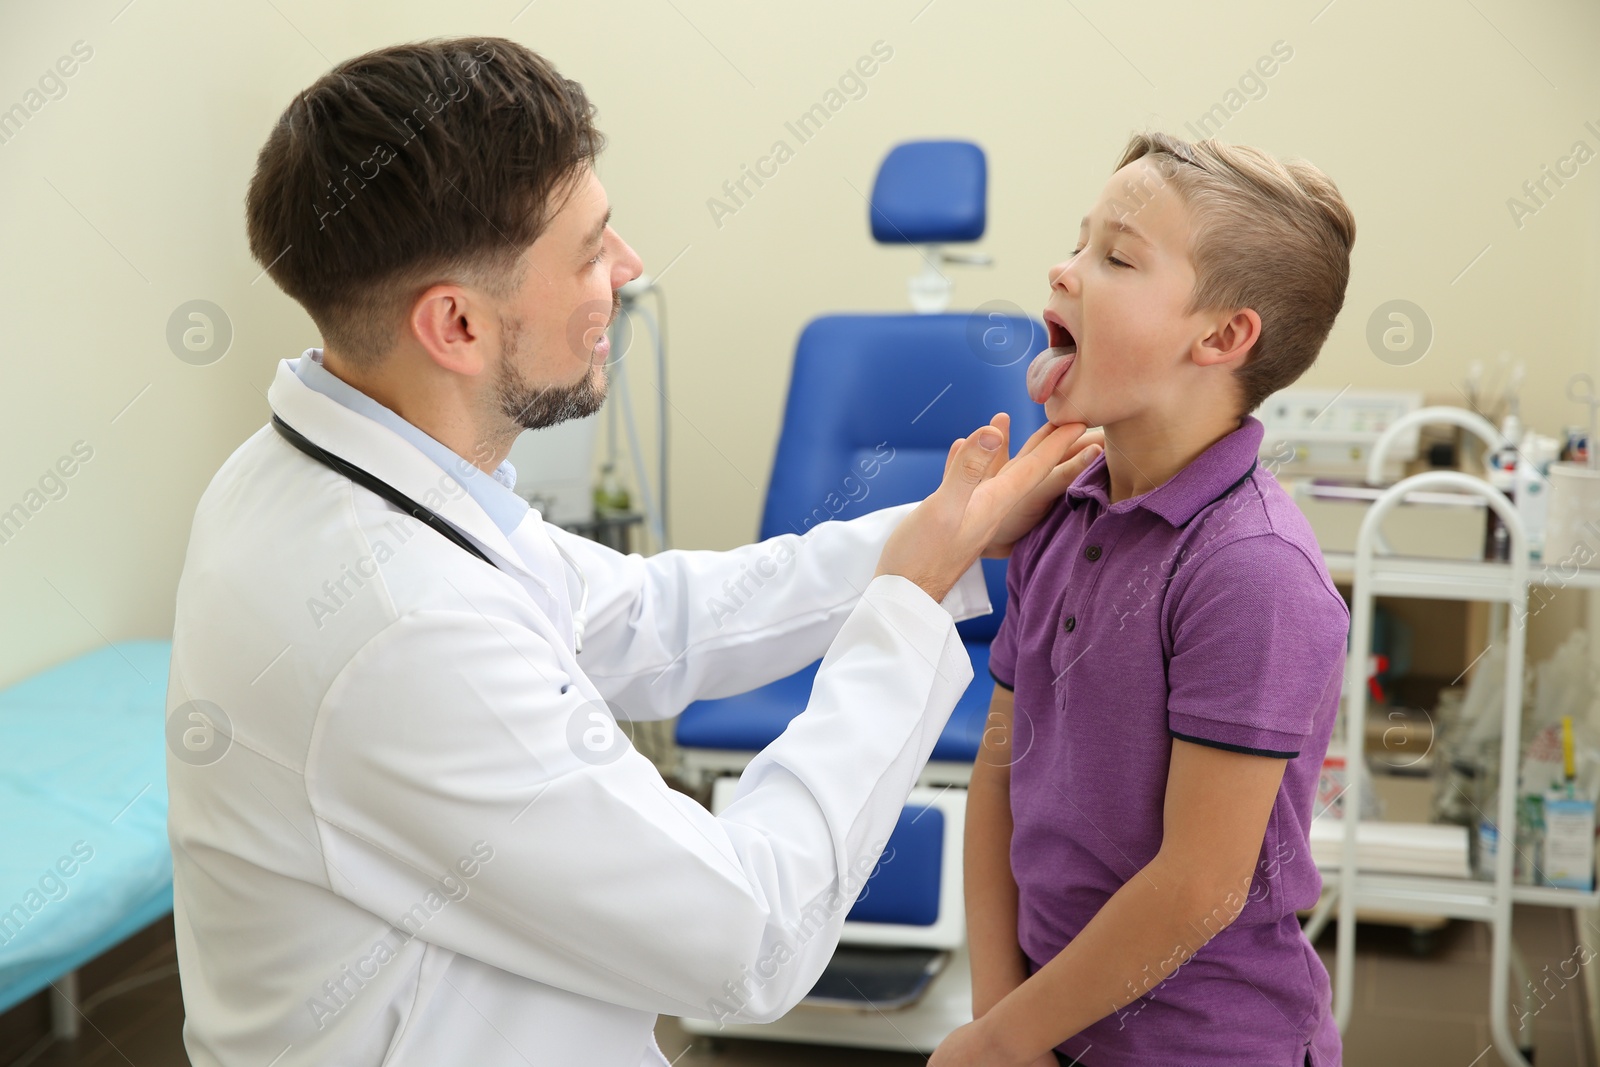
428	517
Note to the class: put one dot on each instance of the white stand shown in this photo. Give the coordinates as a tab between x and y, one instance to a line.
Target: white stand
1506	586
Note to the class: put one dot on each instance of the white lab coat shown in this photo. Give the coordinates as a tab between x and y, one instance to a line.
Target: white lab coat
409	854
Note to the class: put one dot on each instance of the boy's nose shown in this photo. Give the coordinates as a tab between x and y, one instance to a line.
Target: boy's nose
1061	276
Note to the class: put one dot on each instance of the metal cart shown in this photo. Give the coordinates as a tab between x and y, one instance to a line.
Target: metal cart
1505	585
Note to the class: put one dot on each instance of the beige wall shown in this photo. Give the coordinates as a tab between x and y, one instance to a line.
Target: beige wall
123	200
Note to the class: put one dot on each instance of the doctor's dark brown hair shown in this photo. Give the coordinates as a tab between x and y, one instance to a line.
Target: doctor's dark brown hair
410	166
1269	235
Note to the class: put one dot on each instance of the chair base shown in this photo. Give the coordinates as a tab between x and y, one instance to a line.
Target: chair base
945	1005
862	977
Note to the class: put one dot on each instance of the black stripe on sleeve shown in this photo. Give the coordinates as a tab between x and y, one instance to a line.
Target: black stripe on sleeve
1232	748
1002	685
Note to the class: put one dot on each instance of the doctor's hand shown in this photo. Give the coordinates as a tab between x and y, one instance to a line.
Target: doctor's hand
947	532
1037	503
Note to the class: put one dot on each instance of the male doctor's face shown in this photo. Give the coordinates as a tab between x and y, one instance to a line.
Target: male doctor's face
553	342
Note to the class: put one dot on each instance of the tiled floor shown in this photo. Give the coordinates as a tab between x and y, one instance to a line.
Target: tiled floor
1410	1012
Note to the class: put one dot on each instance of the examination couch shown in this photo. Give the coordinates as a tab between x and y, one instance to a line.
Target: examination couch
83	801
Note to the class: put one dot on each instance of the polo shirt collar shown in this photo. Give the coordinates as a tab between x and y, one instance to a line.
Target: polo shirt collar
1212	474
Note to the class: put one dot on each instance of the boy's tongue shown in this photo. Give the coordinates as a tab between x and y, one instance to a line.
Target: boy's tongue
1046	371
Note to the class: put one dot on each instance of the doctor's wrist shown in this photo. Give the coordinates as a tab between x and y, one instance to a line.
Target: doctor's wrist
997	549
936	587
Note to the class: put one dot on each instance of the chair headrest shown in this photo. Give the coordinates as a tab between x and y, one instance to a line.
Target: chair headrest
930	192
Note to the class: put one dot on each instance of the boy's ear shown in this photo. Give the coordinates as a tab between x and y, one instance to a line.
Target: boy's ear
1229	340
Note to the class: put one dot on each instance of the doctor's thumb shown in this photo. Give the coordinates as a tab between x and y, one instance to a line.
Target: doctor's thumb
975	459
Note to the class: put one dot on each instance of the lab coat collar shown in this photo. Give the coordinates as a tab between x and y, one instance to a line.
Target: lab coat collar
494	492
388	456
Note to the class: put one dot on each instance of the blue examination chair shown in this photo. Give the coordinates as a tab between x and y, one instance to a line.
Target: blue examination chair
868	387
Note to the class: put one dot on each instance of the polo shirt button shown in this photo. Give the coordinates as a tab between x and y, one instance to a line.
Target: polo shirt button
1092	553
1070	624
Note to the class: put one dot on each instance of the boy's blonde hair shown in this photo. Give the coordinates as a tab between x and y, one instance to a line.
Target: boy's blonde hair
1267	235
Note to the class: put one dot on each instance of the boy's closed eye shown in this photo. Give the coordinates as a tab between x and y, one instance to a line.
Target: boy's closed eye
1111	258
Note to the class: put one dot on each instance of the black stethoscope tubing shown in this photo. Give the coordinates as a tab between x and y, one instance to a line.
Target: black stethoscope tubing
423	514
427	516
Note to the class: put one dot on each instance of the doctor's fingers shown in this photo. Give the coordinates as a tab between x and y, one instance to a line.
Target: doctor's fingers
1025	473
950	457
962	457
966	468
1001	422
1067	471
1091	439
978	457
1086	438
999	456
1084	451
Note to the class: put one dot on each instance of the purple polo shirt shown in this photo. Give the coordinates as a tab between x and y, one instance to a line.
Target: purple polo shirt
1200	610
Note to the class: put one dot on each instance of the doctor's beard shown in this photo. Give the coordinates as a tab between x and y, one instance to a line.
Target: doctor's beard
535	407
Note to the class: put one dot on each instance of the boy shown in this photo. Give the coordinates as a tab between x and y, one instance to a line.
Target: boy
1138	820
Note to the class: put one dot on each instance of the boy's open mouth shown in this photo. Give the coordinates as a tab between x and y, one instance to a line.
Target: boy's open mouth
1060	336
1051	365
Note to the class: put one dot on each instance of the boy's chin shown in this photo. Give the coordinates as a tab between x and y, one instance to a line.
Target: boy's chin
1060	409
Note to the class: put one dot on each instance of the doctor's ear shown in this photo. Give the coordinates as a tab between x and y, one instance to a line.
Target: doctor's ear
1229	340
449	322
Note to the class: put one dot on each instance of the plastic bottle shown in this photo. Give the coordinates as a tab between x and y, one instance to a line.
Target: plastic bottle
610	498
1532	493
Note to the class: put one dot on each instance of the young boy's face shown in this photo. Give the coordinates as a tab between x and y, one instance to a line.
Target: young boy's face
1120	331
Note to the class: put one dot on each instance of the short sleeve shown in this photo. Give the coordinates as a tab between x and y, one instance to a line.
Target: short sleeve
1258	639
1003	649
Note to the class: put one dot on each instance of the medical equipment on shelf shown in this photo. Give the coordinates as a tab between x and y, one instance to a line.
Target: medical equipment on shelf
1445	525
1569	809
1572	527
1330	433
655	501
1530	486
1379	574
1518	474
555	469
1554	691
874	401
1434	524
1580	390
1519	468
1505	586
1404	429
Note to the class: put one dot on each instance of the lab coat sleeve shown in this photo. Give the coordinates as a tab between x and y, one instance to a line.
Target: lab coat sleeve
453	747
681	626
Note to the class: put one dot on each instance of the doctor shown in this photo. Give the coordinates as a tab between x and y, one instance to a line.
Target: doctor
406	829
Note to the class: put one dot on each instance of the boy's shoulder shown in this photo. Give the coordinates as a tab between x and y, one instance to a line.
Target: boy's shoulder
1256	541
1222	523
